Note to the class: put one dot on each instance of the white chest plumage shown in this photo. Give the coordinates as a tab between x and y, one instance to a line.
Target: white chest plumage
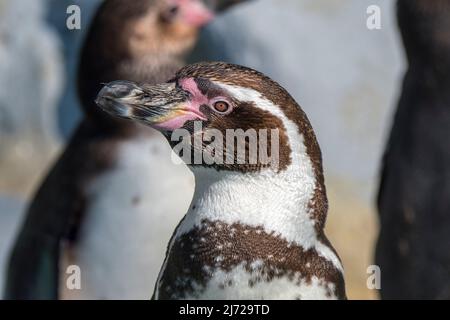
282	288
132	212
262	204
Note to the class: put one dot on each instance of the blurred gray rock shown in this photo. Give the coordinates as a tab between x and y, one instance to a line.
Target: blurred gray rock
31	79
345	76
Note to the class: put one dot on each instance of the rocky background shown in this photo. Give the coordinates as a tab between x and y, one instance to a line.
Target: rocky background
345	76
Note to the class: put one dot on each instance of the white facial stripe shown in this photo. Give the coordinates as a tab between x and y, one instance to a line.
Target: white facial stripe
298	155
301	167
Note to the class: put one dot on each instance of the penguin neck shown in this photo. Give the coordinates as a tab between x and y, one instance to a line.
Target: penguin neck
277	202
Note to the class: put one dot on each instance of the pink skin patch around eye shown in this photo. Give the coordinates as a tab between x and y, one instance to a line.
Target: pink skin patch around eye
198	98
191	108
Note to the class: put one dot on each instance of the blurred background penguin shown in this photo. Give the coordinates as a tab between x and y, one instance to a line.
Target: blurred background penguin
413	248
104	205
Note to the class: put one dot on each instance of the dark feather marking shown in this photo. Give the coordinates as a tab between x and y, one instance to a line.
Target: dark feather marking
200	248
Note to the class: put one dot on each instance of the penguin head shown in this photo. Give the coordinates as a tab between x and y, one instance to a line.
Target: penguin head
234	117
135	28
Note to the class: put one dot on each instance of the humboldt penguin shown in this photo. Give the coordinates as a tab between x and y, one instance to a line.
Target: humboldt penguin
110	202
255	226
413	249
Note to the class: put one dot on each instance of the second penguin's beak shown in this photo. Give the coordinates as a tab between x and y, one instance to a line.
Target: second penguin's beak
165	107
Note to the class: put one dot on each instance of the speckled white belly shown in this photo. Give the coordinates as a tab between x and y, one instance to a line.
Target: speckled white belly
133	211
235	285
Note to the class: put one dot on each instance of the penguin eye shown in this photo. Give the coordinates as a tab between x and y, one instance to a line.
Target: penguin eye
170	14
173	10
221	106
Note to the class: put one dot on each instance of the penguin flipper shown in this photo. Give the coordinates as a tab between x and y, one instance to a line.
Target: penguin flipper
33	270
54	216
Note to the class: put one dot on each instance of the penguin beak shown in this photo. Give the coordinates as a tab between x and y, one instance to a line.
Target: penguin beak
196	13
164	106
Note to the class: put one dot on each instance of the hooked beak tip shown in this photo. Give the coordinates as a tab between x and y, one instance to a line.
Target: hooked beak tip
110	95
116	90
